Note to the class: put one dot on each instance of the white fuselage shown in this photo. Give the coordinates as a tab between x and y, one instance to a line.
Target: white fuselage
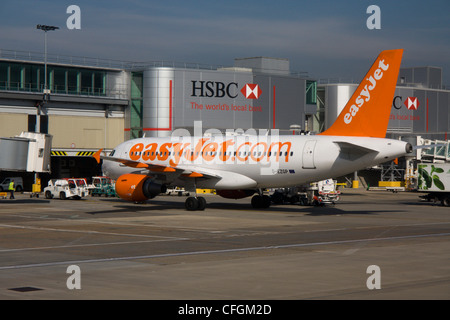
240	162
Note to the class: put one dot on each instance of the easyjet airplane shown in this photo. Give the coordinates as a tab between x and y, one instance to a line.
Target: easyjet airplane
242	165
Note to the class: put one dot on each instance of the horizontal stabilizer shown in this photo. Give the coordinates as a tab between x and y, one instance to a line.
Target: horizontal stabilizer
352	151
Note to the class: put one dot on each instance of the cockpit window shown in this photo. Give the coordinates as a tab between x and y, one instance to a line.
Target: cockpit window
112	153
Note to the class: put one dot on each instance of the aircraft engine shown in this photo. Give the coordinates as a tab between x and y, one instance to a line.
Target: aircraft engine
235	194
138	187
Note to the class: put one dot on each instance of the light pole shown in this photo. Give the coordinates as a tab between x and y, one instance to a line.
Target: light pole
46	92
45	97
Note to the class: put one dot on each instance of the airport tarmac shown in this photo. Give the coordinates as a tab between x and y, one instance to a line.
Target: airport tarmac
158	250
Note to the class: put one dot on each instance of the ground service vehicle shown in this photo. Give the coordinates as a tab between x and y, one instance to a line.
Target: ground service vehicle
80	183
434	179
103	186
319	193
323	192
61	188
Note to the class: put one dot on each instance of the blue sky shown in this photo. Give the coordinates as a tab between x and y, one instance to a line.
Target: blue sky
325	38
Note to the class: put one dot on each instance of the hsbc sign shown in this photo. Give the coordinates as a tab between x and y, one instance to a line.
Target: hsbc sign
412	103
218	89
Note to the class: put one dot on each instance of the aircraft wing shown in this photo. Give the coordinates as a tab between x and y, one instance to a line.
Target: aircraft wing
157	168
140	165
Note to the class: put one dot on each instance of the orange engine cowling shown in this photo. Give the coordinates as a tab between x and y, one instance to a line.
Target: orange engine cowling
235	194
138	187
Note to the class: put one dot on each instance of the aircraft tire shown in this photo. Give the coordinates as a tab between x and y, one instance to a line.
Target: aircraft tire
191	204
256	202
266	201
201	203
259	202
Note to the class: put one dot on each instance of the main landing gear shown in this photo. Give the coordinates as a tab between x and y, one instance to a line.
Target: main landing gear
261	201
195	203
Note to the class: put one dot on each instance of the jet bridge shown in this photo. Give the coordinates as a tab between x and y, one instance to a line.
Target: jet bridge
27	152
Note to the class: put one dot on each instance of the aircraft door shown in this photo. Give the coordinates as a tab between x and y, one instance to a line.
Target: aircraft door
308	154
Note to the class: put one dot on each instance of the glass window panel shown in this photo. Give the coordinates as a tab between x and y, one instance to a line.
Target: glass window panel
4	67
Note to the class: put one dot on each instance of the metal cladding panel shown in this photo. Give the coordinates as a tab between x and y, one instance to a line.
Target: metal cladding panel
420	125
284	103
435	77
273	66
13	154
421	75
432	114
289	102
443	112
264	118
157	87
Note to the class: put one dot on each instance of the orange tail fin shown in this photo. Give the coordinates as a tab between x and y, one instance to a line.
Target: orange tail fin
367	112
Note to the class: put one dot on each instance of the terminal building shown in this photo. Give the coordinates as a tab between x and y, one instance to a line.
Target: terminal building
97	103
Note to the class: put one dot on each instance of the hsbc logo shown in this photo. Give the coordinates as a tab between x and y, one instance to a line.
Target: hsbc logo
251	91
412	103
217	89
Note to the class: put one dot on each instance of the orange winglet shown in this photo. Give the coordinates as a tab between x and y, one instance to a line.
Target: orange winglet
367	112
97	155
192	175
151	167
135	164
